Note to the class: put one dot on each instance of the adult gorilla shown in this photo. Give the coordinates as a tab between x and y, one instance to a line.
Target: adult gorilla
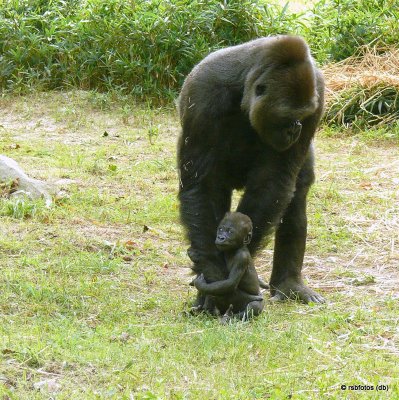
249	114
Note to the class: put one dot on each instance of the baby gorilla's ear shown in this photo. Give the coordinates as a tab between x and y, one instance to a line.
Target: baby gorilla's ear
248	238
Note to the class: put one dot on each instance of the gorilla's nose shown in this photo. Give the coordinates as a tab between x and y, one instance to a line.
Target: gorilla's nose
295	129
220	238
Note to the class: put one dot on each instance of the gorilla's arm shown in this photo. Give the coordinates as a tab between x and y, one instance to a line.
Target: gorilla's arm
290	243
269	191
265	204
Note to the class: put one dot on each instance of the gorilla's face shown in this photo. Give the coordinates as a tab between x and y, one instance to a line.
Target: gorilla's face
278	100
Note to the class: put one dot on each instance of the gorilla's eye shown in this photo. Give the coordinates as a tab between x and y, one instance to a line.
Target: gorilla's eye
260	89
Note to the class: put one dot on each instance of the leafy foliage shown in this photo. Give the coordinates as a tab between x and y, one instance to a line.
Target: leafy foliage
340	27
144	48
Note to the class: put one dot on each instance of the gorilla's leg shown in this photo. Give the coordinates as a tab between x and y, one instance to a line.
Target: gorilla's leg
204	303
201	209
286	280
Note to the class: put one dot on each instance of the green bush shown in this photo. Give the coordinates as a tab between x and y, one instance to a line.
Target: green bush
339	27
144	48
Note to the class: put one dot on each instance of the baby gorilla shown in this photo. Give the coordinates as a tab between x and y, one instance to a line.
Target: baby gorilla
239	294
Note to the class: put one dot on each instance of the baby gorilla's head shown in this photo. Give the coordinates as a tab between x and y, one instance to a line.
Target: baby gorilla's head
234	231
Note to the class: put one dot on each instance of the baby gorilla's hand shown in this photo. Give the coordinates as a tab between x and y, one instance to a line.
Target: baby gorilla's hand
199	282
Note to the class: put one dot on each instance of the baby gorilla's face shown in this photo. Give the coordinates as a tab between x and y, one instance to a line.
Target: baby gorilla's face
233	232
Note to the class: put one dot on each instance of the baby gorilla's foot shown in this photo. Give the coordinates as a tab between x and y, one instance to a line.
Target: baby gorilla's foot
227	316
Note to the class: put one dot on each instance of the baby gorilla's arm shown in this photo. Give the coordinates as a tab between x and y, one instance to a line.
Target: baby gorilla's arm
226	286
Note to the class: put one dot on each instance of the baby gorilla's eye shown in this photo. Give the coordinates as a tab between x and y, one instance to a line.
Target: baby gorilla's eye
260	90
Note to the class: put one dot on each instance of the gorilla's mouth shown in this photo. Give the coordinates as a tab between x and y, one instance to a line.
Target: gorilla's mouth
282	137
222	245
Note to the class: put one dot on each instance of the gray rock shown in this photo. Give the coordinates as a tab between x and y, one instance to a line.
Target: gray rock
33	188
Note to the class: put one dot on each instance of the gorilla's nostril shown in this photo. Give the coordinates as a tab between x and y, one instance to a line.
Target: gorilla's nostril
294	129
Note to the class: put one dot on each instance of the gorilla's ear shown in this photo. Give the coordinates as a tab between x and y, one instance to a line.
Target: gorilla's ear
248	238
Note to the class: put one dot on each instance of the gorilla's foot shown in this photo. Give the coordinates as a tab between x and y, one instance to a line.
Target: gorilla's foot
292	289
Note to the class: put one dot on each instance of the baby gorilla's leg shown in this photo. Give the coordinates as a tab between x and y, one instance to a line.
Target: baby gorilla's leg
243	306
253	309
204	303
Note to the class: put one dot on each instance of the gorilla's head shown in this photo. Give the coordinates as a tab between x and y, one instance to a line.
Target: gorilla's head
280	92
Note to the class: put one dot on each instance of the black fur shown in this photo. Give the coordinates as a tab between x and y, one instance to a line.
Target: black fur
248	116
238	296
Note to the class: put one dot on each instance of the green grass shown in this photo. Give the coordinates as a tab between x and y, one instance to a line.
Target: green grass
94	290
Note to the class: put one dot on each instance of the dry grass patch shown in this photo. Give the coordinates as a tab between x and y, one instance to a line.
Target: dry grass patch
363	90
